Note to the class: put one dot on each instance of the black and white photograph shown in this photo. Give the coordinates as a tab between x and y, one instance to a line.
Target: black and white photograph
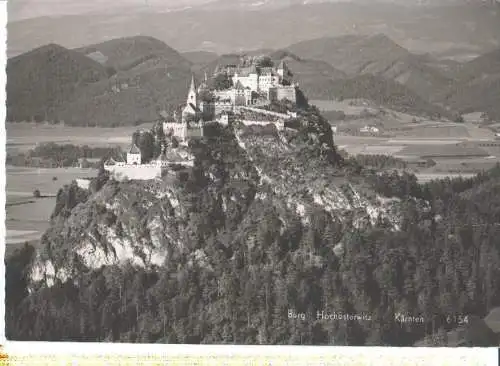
253	172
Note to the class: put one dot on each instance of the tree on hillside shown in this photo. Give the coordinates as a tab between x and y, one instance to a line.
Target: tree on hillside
110	71
222	81
265	61
145	141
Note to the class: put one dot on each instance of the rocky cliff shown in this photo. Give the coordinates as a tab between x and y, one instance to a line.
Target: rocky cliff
250	186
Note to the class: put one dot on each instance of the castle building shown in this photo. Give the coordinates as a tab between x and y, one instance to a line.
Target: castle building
226	118
191	123
134	156
268	81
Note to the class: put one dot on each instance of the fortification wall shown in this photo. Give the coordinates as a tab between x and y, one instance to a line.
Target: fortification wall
248	122
263	111
83	183
135	172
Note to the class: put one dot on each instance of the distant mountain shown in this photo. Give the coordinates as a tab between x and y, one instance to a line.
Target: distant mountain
377	55
228	29
124	54
476	87
135	78
387	93
314	77
200	57
480	68
42	80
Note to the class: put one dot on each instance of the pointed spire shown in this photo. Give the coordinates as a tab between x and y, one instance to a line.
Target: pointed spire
192	87
206	78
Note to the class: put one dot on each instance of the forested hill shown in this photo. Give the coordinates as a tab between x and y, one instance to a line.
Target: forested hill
122	81
266	222
42	80
388	93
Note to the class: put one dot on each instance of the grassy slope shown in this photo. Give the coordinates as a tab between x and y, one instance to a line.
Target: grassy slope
477	86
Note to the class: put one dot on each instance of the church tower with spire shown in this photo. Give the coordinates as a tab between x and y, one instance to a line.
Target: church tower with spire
192	94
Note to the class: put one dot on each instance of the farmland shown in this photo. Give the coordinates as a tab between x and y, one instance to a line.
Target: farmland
24	136
27	217
455	148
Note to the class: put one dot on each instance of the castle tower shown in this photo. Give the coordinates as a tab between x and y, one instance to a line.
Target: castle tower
192	95
282	69
134	156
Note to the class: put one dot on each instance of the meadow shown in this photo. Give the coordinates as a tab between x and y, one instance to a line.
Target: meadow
24	136
27	217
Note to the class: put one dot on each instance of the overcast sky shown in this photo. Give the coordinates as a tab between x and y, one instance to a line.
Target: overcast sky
22	9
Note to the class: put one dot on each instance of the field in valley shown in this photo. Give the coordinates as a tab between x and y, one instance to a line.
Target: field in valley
24	136
456	148
27	217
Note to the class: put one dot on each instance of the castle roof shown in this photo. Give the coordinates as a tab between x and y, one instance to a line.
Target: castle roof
110	161
134	149
119	158
239	86
282	65
191	108
163	114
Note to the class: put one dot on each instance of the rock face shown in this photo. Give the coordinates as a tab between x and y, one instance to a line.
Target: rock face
246	183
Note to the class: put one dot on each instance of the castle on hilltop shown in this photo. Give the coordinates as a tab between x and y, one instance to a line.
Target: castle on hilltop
251	85
247	88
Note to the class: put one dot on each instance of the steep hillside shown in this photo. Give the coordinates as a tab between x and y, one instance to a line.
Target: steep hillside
200	57
476	96
386	93
377	55
42	80
313	76
137	77
266	222
123	54
129	98
476	87
481	68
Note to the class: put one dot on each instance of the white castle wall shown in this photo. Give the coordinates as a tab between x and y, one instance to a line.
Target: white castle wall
280	125
133	158
135	172
83	183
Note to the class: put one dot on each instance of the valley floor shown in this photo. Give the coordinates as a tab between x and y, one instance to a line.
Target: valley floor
28	217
